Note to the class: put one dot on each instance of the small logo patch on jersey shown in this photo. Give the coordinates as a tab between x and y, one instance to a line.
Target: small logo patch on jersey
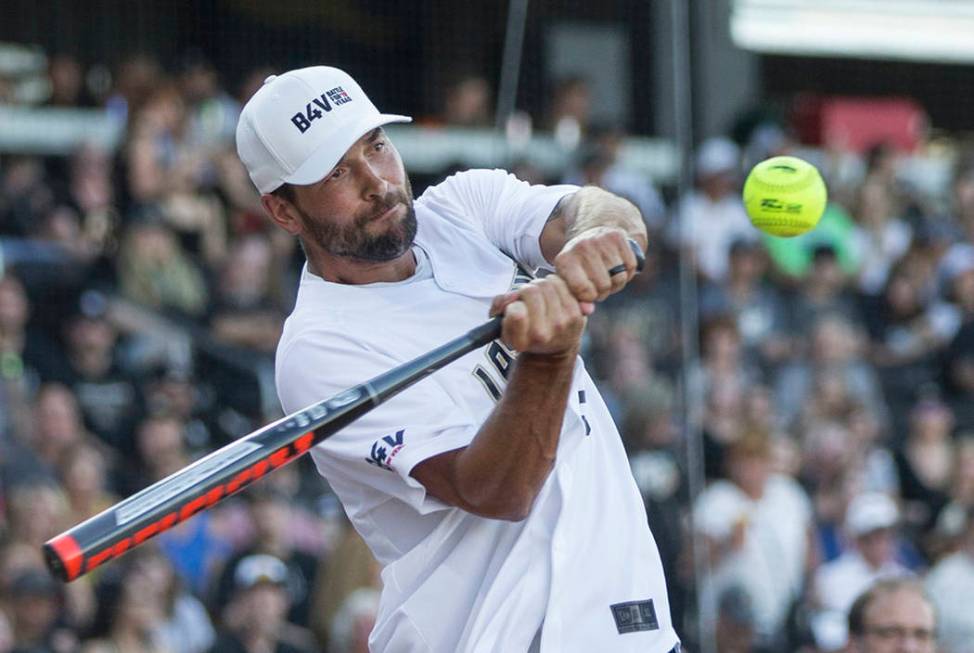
381	456
634	616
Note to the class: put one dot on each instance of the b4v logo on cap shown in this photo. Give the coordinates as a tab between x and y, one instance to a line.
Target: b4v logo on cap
313	109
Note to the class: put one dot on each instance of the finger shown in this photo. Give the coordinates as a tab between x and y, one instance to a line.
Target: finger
633	267
501	302
575	274
514	326
568	306
534	296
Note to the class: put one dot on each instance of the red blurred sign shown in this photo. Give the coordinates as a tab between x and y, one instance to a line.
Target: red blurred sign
857	124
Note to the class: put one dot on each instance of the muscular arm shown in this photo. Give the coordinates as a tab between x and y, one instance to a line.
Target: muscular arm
586	236
501	472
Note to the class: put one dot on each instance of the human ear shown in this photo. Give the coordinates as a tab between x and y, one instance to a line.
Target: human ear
282	213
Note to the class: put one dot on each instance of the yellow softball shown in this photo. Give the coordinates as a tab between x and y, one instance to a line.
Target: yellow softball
784	196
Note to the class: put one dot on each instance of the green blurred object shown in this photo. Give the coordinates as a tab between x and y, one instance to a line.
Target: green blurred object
793	256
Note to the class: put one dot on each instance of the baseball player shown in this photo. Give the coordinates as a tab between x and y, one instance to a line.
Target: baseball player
496	493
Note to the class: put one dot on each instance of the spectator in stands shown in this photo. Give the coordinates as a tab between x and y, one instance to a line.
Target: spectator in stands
37	612
155	271
824	290
735	631
757	527
185	626
951	587
137	77
161	448
718	383
129	617
925	462
255	620
67	80
173	175
212	112
906	336
273	517
350	568
957	370
872	464
648	310
953	518
757	307
712	216
871	520
571	109
882	236
354	621
37	512
468	102
109	397
54	427
891	616
24	195
244	312
83	471
836	347
22	352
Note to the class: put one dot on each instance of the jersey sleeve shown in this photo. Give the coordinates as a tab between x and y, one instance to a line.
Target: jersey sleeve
382	447
511	213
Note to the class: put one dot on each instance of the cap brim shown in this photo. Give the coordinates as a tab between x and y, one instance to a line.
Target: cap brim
321	162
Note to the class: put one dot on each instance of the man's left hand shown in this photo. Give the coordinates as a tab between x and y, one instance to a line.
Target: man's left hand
585	260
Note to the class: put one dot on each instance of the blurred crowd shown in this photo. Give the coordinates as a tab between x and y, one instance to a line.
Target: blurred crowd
797	411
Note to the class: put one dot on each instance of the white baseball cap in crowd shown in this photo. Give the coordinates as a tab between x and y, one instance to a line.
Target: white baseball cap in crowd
871	511
260	568
299	124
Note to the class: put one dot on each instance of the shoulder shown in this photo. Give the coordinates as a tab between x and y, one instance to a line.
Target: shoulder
788	489
720	496
468	181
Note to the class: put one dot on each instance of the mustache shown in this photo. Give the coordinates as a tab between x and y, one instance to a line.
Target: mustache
386	203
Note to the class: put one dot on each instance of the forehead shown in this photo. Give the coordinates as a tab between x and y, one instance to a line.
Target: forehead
902	607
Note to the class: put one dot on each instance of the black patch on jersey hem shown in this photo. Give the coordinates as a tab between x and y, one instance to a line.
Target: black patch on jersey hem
634	616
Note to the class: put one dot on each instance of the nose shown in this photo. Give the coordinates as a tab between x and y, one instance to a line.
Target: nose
374	186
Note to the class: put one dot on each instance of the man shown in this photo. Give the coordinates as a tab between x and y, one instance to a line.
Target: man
951	587
496	493
871	520
757	526
893	616
255	620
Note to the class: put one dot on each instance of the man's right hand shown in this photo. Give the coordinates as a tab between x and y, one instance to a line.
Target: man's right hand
542	317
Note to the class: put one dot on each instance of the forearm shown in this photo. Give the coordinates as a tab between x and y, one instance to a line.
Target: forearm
500	473
503	469
587	209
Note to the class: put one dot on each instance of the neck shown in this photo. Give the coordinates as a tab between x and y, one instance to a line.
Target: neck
352	271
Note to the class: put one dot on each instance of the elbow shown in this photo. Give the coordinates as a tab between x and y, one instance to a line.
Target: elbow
516	512
506	506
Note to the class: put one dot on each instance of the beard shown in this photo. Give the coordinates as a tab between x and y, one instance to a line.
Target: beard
355	241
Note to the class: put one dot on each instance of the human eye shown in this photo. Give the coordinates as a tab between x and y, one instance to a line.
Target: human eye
336	174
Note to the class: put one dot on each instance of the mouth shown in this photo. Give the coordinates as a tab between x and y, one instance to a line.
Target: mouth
387	214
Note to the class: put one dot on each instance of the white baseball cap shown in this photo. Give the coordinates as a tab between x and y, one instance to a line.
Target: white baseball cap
299	124
260	568
871	511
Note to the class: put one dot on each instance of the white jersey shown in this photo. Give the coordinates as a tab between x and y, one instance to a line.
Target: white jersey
581	572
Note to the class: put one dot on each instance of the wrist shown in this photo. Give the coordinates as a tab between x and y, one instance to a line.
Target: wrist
563	358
